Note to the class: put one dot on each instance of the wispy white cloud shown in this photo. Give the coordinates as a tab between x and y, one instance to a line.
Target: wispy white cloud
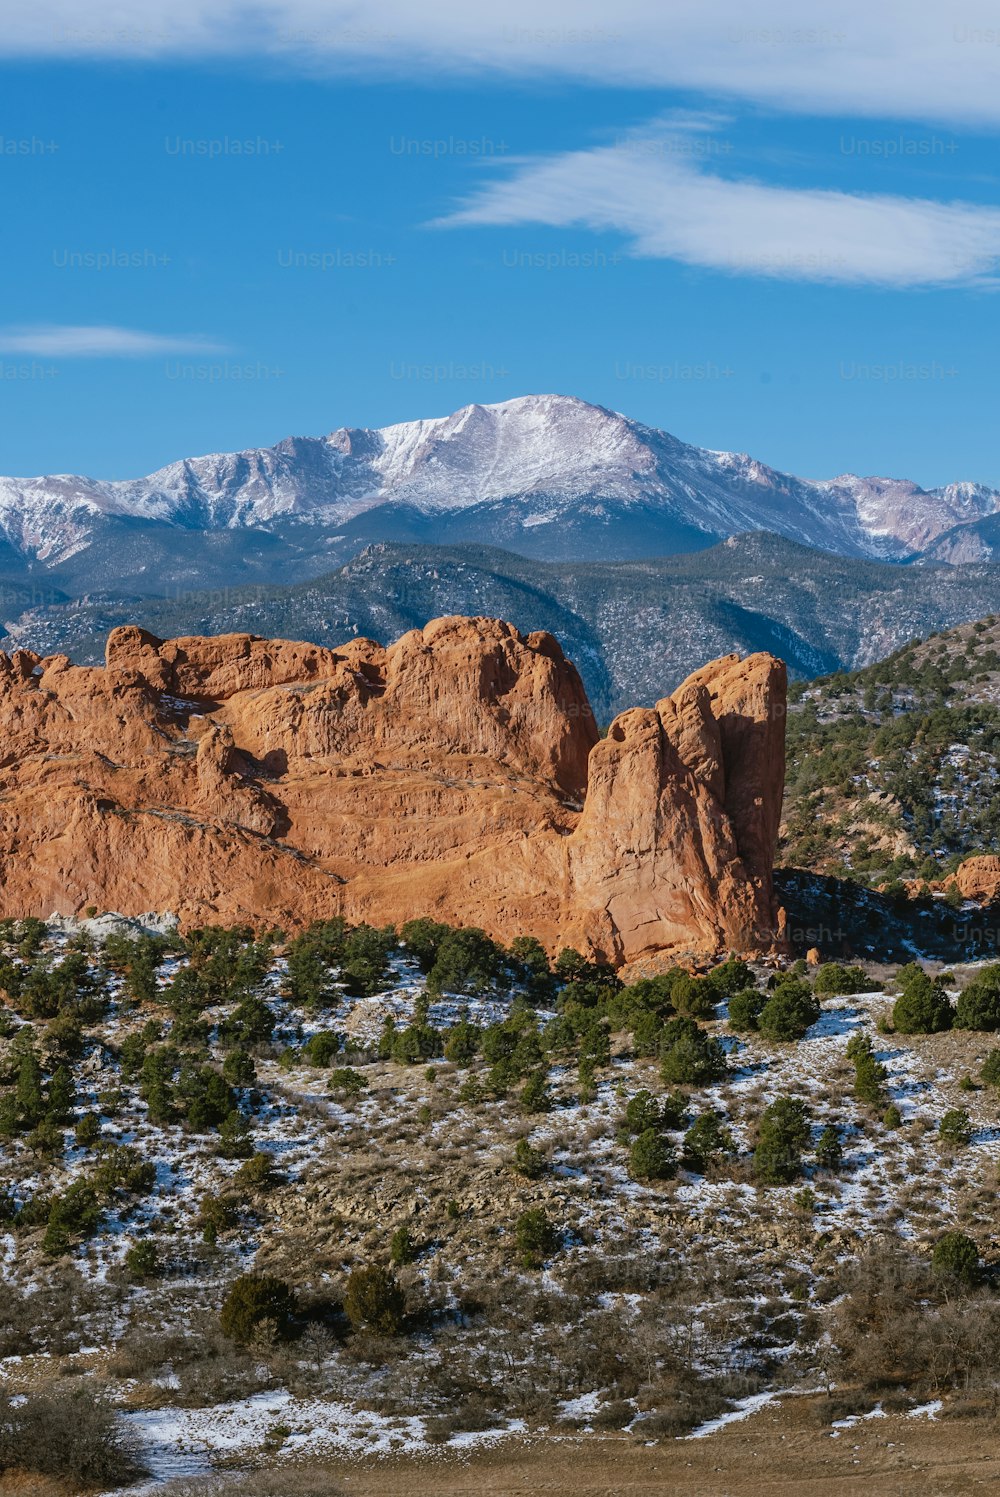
912	59
671	205
69	341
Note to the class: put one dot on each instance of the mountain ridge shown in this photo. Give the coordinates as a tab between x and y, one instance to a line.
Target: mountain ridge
547	476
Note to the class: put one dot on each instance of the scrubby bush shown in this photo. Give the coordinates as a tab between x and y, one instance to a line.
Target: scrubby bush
251	1023
123	1171
423	939
467	962
257	1173
956	1256
744	1010
238	1069
142	1261
870	1075
530	966
535	1095
309	983
207	1096
253	1299
74	1436
829	1149
730	977
955	1127
346	1082
88	1130
646	1001
833	979
535	1237
216	1213
461	1043
156	1084
364	966
646	1111
416	1043
595	1040
401	1247
528	1161
374	1301
235	1137
990	1073
74	1214
694	997
320	1049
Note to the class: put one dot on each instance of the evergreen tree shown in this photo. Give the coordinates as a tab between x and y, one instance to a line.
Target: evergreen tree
956	1256
689	1056
923	1006
61	1096
374	1301
651	1157
829	1149
707	1141
30	1101
782	1135
253	1298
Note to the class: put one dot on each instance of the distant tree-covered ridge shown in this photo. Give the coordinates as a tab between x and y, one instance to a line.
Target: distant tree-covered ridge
893	772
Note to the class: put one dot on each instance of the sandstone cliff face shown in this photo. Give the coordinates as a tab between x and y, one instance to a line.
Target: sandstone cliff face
676	841
457	772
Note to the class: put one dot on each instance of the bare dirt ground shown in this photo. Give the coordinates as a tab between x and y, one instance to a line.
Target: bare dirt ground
776	1451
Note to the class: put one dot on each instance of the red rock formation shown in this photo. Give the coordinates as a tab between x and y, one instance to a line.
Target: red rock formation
978	879
457	773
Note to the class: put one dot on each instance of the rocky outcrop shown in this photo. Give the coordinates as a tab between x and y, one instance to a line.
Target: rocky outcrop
458	772
978	879
677	836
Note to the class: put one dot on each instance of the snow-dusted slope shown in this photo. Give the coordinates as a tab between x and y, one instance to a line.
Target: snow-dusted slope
515	473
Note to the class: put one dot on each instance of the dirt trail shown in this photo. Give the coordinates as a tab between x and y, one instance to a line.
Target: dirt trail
783	1453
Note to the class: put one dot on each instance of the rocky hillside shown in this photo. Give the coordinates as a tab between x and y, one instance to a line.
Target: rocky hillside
459	770
369	1193
894	770
634	629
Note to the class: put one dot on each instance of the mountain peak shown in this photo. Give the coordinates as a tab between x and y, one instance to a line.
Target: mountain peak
544	474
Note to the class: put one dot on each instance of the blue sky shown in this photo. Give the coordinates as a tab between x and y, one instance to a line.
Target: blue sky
253	229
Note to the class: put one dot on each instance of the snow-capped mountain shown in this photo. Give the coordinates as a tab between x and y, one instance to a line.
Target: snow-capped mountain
547	476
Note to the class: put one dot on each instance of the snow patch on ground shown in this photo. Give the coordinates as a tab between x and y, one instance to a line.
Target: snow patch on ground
188	1442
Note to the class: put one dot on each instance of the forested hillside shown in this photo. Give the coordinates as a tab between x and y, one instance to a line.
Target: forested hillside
894	771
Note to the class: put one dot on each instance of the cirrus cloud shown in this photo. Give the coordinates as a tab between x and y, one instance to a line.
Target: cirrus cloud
671	207
912	59
73	341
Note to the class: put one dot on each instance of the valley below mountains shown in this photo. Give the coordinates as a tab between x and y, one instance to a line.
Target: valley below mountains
635	629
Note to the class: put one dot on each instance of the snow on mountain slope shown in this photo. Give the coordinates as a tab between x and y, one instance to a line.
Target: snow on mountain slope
532	462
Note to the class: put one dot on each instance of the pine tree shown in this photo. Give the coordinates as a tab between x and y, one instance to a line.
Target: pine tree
30	1100
62	1095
